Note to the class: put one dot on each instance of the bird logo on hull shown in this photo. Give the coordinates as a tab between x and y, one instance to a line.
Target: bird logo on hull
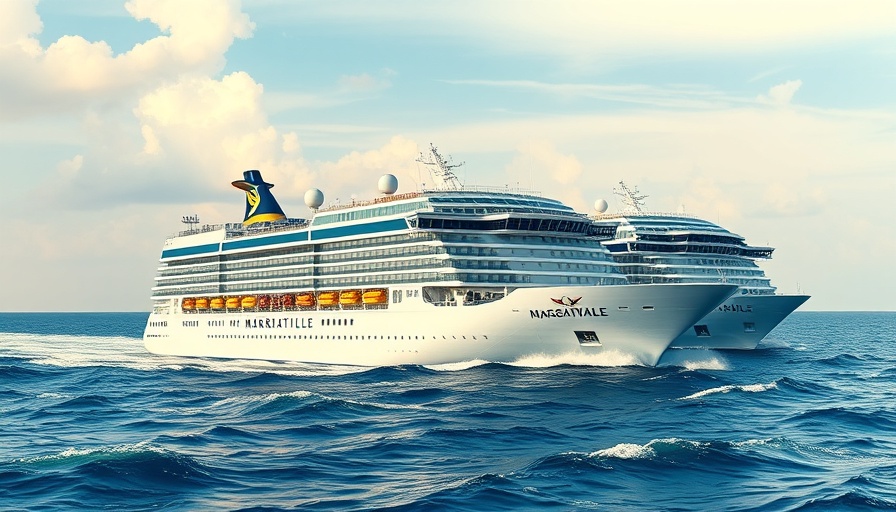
566	301
260	203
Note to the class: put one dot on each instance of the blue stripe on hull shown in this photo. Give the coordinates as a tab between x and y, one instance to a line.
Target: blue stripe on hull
360	229
299	236
190	251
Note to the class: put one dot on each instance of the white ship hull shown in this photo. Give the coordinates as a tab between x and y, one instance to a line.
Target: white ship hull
640	320
741	322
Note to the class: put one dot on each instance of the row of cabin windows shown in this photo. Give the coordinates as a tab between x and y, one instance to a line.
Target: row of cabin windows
510	278
411	238
361	337
513	224
394	265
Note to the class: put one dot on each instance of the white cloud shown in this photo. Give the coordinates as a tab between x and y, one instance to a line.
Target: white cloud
73	72
541	158
781	94
18	25
356	173
593	31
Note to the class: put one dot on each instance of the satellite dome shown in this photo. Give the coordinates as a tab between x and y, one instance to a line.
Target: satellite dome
314	198
388	184
601	206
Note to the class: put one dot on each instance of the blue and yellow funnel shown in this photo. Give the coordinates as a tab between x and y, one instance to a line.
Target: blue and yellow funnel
260	203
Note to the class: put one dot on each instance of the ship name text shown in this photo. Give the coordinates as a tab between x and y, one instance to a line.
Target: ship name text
736	308
277	323
567	312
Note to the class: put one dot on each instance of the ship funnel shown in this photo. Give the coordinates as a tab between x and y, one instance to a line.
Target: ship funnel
260	203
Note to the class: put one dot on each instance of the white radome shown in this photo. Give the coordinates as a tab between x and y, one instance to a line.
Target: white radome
314	198
388	184
601	206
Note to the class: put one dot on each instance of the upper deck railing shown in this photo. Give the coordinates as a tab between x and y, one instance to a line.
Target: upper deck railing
236	229
610	216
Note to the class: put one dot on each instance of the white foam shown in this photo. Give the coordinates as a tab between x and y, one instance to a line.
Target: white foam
456	367
79	452
605	358
747	388
694	359
626	451
68	351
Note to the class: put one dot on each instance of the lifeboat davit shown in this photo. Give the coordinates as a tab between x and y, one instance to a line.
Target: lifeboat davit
350	297
233	302
328	298
305	300
188	304
264	301
378	296
288	301
248	301
217	303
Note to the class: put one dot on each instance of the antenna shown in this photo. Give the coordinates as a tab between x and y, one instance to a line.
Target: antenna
441	169
631	197
191	220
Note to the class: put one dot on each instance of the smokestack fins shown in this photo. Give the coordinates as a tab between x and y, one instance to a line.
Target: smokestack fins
260	203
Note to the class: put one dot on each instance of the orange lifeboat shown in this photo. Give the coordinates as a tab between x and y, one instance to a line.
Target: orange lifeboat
232	302
305	300
188	304
264	301
217	303
328	299
247	302
378	296
350	297
202	303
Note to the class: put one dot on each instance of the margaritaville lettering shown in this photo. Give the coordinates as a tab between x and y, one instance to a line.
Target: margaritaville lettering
736	308
567	312
278	323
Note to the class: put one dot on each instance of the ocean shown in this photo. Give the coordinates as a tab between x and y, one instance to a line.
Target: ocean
90	421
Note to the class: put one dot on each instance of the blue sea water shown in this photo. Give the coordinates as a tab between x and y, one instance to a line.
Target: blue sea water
90	421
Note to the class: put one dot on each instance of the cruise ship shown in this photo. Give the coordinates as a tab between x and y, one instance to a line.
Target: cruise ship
653	247
442	275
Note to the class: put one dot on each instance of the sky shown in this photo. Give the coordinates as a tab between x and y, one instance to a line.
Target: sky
775	119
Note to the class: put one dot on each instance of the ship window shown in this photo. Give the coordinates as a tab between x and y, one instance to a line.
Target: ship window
702	331
587	337
647	308
749	327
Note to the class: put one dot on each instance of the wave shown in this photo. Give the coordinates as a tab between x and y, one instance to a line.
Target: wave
712	456
609	358
457	367
746	388
694	359
142	460
850	500
847	419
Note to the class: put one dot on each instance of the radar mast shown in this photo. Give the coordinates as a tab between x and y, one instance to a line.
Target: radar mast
191	221
630	197
441	169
